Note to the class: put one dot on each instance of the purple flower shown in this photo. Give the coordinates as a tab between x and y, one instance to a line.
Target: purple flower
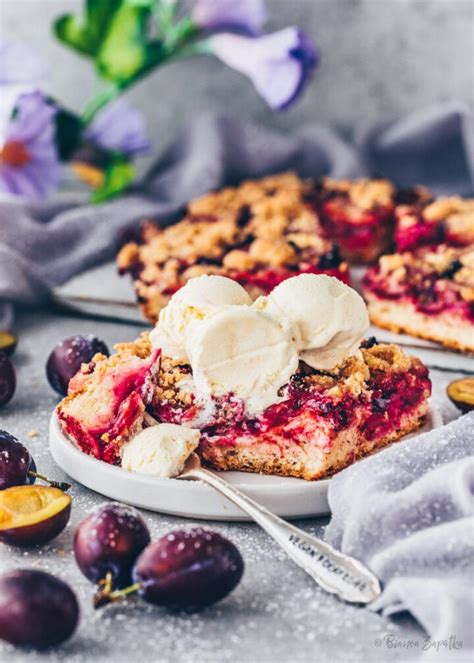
279	64
20	71
29	165
246	16
119	127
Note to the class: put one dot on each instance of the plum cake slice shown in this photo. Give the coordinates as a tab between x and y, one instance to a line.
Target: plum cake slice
428	293
322	421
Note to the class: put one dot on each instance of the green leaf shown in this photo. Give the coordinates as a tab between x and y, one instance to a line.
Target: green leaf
86	36
126	52
117	176
70	32
99	15
115	34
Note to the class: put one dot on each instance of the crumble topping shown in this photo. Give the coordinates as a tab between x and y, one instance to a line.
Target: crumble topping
349	378
444	208
140	347
387	357
364	193
170	382
260	225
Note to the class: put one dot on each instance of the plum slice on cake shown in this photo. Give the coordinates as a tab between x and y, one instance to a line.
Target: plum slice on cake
259	234
276	395
428	293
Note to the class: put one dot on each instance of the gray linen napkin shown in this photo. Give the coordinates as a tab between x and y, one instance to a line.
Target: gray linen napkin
408	514
42	246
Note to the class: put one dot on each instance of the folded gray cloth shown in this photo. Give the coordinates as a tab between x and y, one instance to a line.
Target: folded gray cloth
408	514
44	245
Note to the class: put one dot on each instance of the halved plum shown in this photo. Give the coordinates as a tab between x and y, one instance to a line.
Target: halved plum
31	515
461	393
8	342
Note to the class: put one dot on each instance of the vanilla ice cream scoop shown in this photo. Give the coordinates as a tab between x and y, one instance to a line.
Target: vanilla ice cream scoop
198	299
160	450
243	351
331	317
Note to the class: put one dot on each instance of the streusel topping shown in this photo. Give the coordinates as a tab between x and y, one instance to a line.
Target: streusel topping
444	208
364	193
451	267
259	225
255	218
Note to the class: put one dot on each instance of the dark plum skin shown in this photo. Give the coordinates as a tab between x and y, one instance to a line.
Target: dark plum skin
66	359
30	479
188	569
36	609
109	540
15	462
7	379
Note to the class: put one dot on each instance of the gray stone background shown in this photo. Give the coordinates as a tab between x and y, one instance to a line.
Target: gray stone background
380	58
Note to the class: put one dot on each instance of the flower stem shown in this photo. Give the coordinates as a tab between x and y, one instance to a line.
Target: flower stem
99	101
62	485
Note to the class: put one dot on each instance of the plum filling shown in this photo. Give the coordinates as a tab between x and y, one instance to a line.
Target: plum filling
424	234
355	233
418	234
429	293
267	279
308	411
394	395
125	391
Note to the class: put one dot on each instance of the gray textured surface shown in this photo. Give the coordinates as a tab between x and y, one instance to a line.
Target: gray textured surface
276	613
380	58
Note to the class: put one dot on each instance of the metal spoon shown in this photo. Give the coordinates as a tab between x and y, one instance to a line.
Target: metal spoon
336	573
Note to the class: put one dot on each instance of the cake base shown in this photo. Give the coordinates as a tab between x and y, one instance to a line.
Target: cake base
306	461
402	317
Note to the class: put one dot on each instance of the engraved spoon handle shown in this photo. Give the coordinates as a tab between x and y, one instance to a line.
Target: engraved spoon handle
335	572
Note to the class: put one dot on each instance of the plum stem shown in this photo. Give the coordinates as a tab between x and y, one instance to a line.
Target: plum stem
104	598
103	590
62	485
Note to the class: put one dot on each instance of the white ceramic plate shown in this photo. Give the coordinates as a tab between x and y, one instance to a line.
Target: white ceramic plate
287	497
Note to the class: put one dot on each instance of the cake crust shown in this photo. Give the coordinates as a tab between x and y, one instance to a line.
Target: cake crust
403	318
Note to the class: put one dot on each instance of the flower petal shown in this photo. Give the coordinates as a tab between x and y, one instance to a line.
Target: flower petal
120	127
33	126
248	16
279	64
